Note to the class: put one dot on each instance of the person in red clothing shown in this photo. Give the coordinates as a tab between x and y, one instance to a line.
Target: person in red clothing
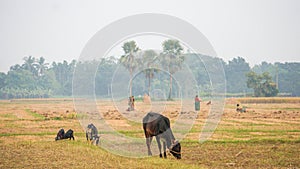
197	103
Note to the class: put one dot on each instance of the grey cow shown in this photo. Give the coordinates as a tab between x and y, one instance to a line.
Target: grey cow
92	134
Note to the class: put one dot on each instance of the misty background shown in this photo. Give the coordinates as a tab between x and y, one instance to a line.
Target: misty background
42	40
58	30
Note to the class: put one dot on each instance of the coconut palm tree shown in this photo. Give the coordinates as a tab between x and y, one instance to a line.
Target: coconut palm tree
129	60
41	66
149	58
29	64
172	58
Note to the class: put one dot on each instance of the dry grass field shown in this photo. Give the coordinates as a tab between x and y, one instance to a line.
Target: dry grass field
267	135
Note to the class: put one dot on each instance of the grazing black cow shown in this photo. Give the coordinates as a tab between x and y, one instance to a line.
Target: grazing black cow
158	125
62	135
92	134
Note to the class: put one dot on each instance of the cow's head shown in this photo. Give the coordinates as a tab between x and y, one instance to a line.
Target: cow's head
58	138
90	126
175	149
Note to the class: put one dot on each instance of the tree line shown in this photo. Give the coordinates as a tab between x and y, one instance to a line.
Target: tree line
36	78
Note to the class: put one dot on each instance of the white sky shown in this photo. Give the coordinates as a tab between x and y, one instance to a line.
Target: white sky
257	30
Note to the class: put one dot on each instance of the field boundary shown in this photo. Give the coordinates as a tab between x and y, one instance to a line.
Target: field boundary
268	100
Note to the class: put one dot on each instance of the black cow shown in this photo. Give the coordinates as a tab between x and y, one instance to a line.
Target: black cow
62	135
158	125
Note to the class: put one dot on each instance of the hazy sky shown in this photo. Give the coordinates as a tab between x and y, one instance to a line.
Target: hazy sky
257	30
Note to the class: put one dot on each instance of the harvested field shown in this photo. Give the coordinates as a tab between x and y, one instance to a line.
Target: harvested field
267	135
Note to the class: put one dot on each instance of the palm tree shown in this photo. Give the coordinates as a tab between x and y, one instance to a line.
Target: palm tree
129	59
172	58
29	64
149	58
41	66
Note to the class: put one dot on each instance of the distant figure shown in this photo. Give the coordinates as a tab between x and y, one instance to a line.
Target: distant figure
197	103
242	110
130	103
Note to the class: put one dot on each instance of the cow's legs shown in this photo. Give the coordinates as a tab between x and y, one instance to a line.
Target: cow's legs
148	142
159	145
165	147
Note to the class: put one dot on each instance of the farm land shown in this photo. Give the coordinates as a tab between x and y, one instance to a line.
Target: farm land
267	135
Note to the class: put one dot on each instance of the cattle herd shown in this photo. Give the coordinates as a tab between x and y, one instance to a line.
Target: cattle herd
154	124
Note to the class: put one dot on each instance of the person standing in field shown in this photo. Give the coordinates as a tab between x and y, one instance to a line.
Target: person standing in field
197	103
132	103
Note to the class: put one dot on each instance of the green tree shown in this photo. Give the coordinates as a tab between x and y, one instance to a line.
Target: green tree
262	85
16	67
129	60
64	75
288	78
235	72
84	79
264	67
104	75
20	79
286	75
35	79
197	64
2	79
27	81
172	58
41	66
148	61
29	64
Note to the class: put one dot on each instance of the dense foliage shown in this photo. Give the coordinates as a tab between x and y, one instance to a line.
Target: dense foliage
36	78
285	75
262	85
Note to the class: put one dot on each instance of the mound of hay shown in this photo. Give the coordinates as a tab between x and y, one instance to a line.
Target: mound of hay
146	98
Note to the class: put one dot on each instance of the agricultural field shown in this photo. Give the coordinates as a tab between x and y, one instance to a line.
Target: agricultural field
267	135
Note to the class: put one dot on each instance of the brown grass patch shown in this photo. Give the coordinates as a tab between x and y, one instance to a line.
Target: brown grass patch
266	136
